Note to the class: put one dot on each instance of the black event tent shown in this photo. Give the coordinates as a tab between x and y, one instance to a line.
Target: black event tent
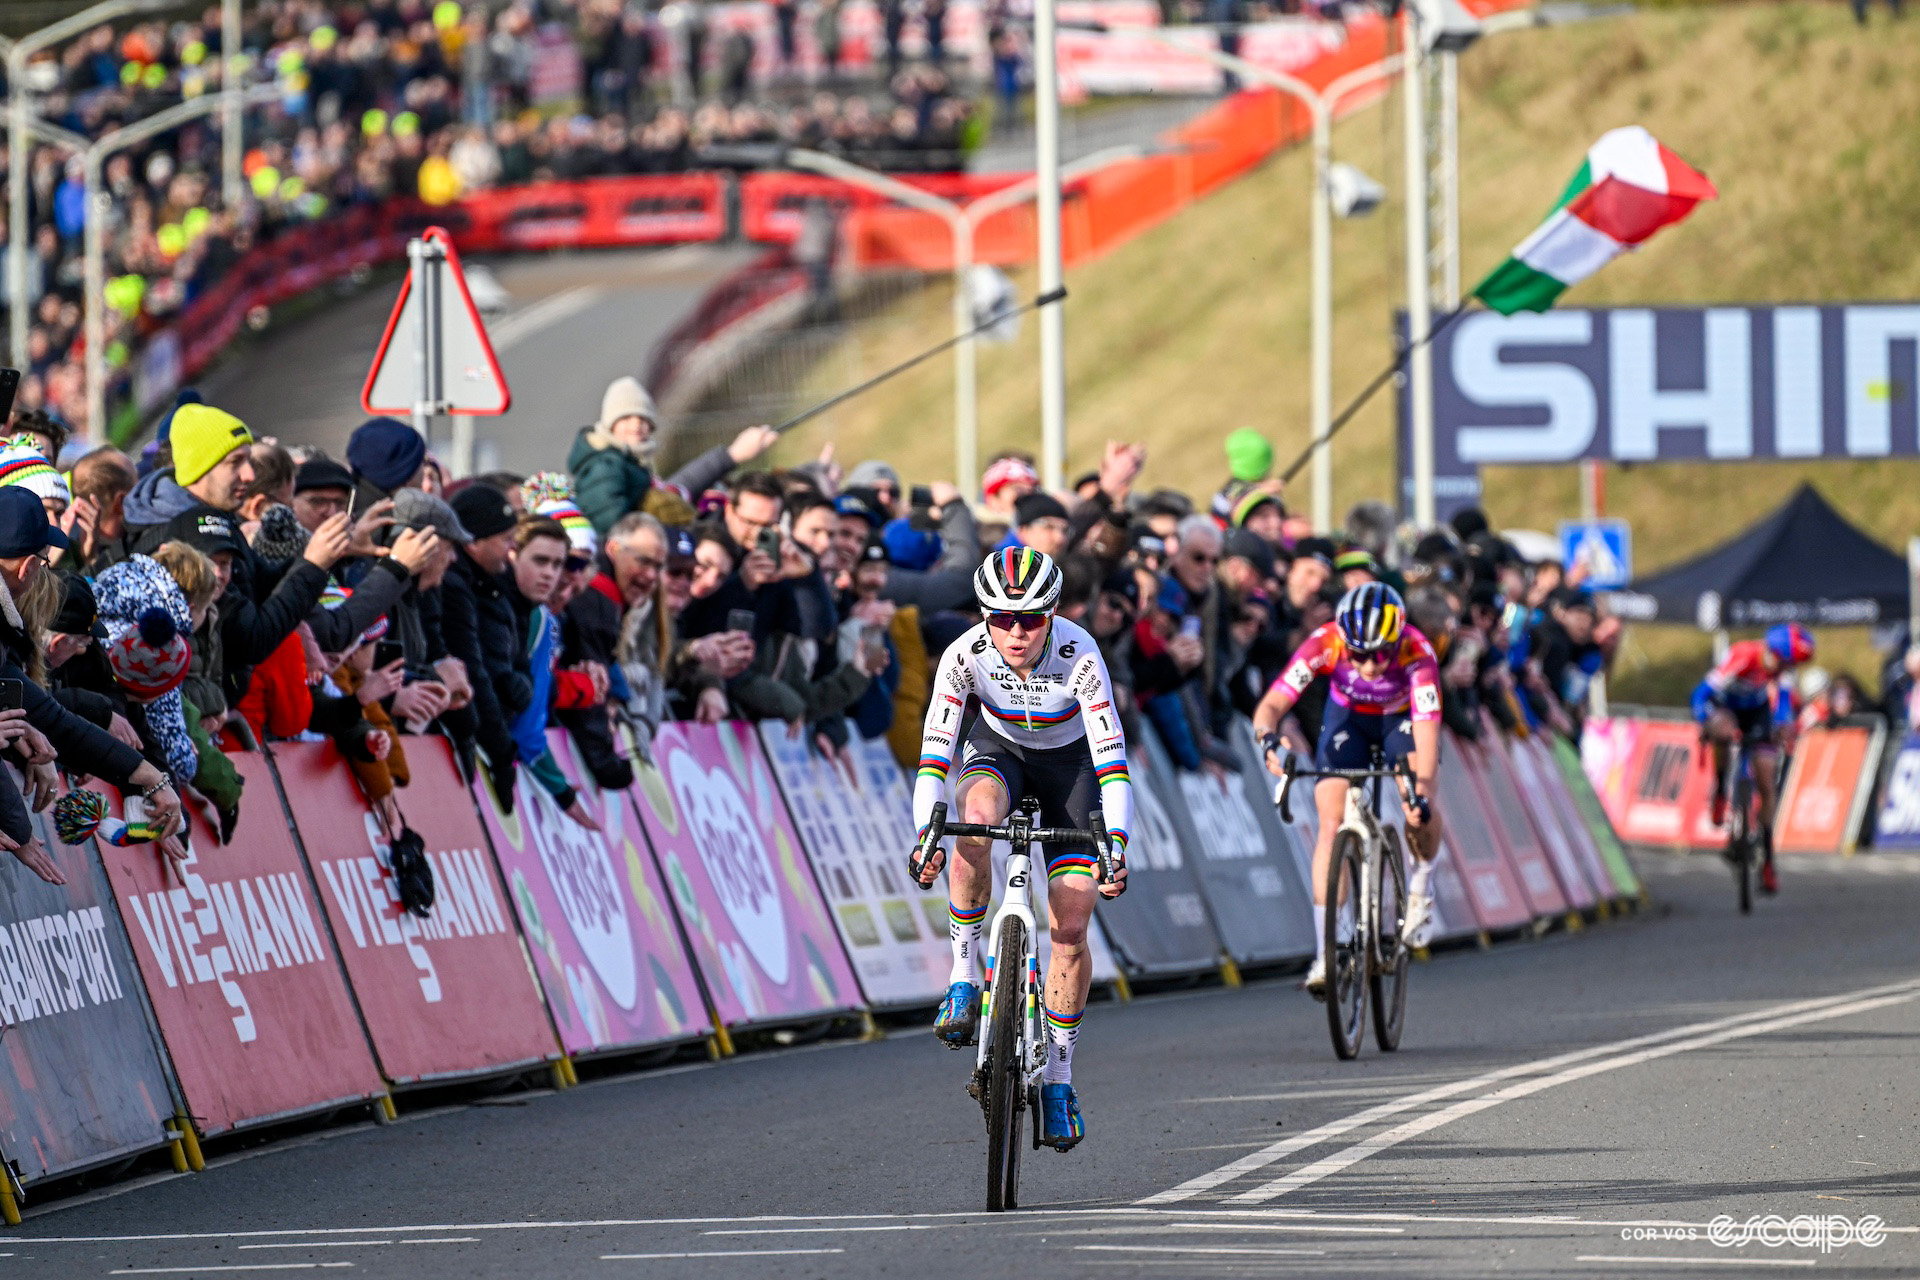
1804	563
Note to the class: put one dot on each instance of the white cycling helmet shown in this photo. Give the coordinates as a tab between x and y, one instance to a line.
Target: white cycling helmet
1017	580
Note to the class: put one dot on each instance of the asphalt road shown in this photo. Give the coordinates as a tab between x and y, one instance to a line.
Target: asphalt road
577	322
1555	1107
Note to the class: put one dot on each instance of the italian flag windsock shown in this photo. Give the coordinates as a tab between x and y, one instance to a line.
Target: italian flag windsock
1629	188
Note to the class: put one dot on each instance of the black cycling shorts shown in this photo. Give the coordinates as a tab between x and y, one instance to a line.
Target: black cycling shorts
1061	778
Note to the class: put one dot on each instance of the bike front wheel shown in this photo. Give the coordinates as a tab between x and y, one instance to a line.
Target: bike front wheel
1387	982
1346	949
1740	823
1003	1085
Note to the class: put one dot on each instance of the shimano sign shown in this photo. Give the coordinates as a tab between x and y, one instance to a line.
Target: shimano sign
1637	384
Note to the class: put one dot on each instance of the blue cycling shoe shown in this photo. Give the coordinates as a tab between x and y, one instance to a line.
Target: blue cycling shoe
1060	1123
959	1016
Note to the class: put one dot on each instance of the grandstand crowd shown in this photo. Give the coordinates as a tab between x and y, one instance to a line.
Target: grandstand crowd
225	590
384	99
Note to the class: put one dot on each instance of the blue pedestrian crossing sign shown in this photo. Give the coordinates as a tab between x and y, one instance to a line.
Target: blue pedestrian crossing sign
1605	547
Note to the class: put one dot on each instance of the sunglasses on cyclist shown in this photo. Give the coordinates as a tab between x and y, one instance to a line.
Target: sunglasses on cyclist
1017	621
1370	655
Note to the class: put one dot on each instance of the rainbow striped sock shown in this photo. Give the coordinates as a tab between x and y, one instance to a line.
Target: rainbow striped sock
965	925
1063	1030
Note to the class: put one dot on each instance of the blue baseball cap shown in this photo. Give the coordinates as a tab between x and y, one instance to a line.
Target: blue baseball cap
24	527
911	548
864	503
679	546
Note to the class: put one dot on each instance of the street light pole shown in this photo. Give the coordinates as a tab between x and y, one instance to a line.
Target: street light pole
20	120
1321	105
232	154
98	205
1053	324
1419	298
963	222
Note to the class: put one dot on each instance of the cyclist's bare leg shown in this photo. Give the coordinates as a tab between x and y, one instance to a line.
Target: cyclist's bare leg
1423	841
1330	802
1069	970
970	876
1766	771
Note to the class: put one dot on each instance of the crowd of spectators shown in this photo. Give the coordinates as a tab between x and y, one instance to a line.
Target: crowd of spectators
396	98
226	590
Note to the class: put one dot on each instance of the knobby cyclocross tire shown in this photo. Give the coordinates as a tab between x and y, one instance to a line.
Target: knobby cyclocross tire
1346	961
1387	981
1004	1085
1740	818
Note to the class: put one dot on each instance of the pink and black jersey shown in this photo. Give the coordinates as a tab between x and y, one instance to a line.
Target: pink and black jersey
1409	683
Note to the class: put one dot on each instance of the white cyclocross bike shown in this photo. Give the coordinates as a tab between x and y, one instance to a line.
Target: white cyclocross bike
1006	1074
1366	895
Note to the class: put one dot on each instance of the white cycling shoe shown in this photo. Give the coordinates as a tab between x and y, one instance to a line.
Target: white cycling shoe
1419	922
1316	983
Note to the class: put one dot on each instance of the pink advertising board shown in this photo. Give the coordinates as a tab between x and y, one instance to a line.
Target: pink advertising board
752	914
595	915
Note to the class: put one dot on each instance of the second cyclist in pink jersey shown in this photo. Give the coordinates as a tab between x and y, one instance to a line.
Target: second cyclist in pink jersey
1385	693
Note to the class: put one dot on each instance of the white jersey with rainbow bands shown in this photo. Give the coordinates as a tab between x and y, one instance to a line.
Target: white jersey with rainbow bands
1066	699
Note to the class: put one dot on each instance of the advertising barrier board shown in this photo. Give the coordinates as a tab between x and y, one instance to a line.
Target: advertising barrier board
1160	925
445	995
1594	819
1490	879
748	905
1826	793
850	825
241	970
81	1076
595	915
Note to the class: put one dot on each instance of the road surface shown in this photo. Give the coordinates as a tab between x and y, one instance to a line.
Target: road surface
1582	1105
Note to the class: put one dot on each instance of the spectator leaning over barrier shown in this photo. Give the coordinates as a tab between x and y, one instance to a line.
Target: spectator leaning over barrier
96	522
263	603
477	624
612	460
538	564
77	673
48	731
436	683
202	703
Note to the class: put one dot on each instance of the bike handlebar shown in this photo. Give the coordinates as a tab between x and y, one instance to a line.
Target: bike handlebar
1290	771
1014	832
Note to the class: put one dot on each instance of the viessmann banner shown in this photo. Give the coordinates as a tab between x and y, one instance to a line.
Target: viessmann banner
1683	384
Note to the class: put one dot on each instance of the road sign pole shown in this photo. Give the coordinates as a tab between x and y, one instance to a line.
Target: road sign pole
453	368
422	343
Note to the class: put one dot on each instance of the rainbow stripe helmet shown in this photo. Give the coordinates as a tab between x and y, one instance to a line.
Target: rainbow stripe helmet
1017	580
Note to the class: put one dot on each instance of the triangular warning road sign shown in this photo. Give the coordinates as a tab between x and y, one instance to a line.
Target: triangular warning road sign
470	378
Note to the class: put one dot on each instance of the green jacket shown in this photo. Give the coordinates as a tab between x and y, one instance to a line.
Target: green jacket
608	481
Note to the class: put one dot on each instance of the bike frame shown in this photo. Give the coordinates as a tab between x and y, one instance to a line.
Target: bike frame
1362	818
1016	902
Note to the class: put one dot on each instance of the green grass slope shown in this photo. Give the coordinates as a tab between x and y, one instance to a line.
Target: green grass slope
1804	121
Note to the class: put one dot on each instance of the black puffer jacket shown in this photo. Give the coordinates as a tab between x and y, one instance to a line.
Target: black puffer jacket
263	604
477	625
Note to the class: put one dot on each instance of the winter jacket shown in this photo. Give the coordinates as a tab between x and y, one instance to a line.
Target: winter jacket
263	603
949	583
377	778
704	472
608	480
478	628
279	703
590	632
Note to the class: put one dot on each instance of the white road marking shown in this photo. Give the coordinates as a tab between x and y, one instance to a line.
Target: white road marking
1282	1226
1682	1261
1446	1115
248	1266
446	1240
717	1253
1277	1151
796	1231
1207	1249
319	1244
543	314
